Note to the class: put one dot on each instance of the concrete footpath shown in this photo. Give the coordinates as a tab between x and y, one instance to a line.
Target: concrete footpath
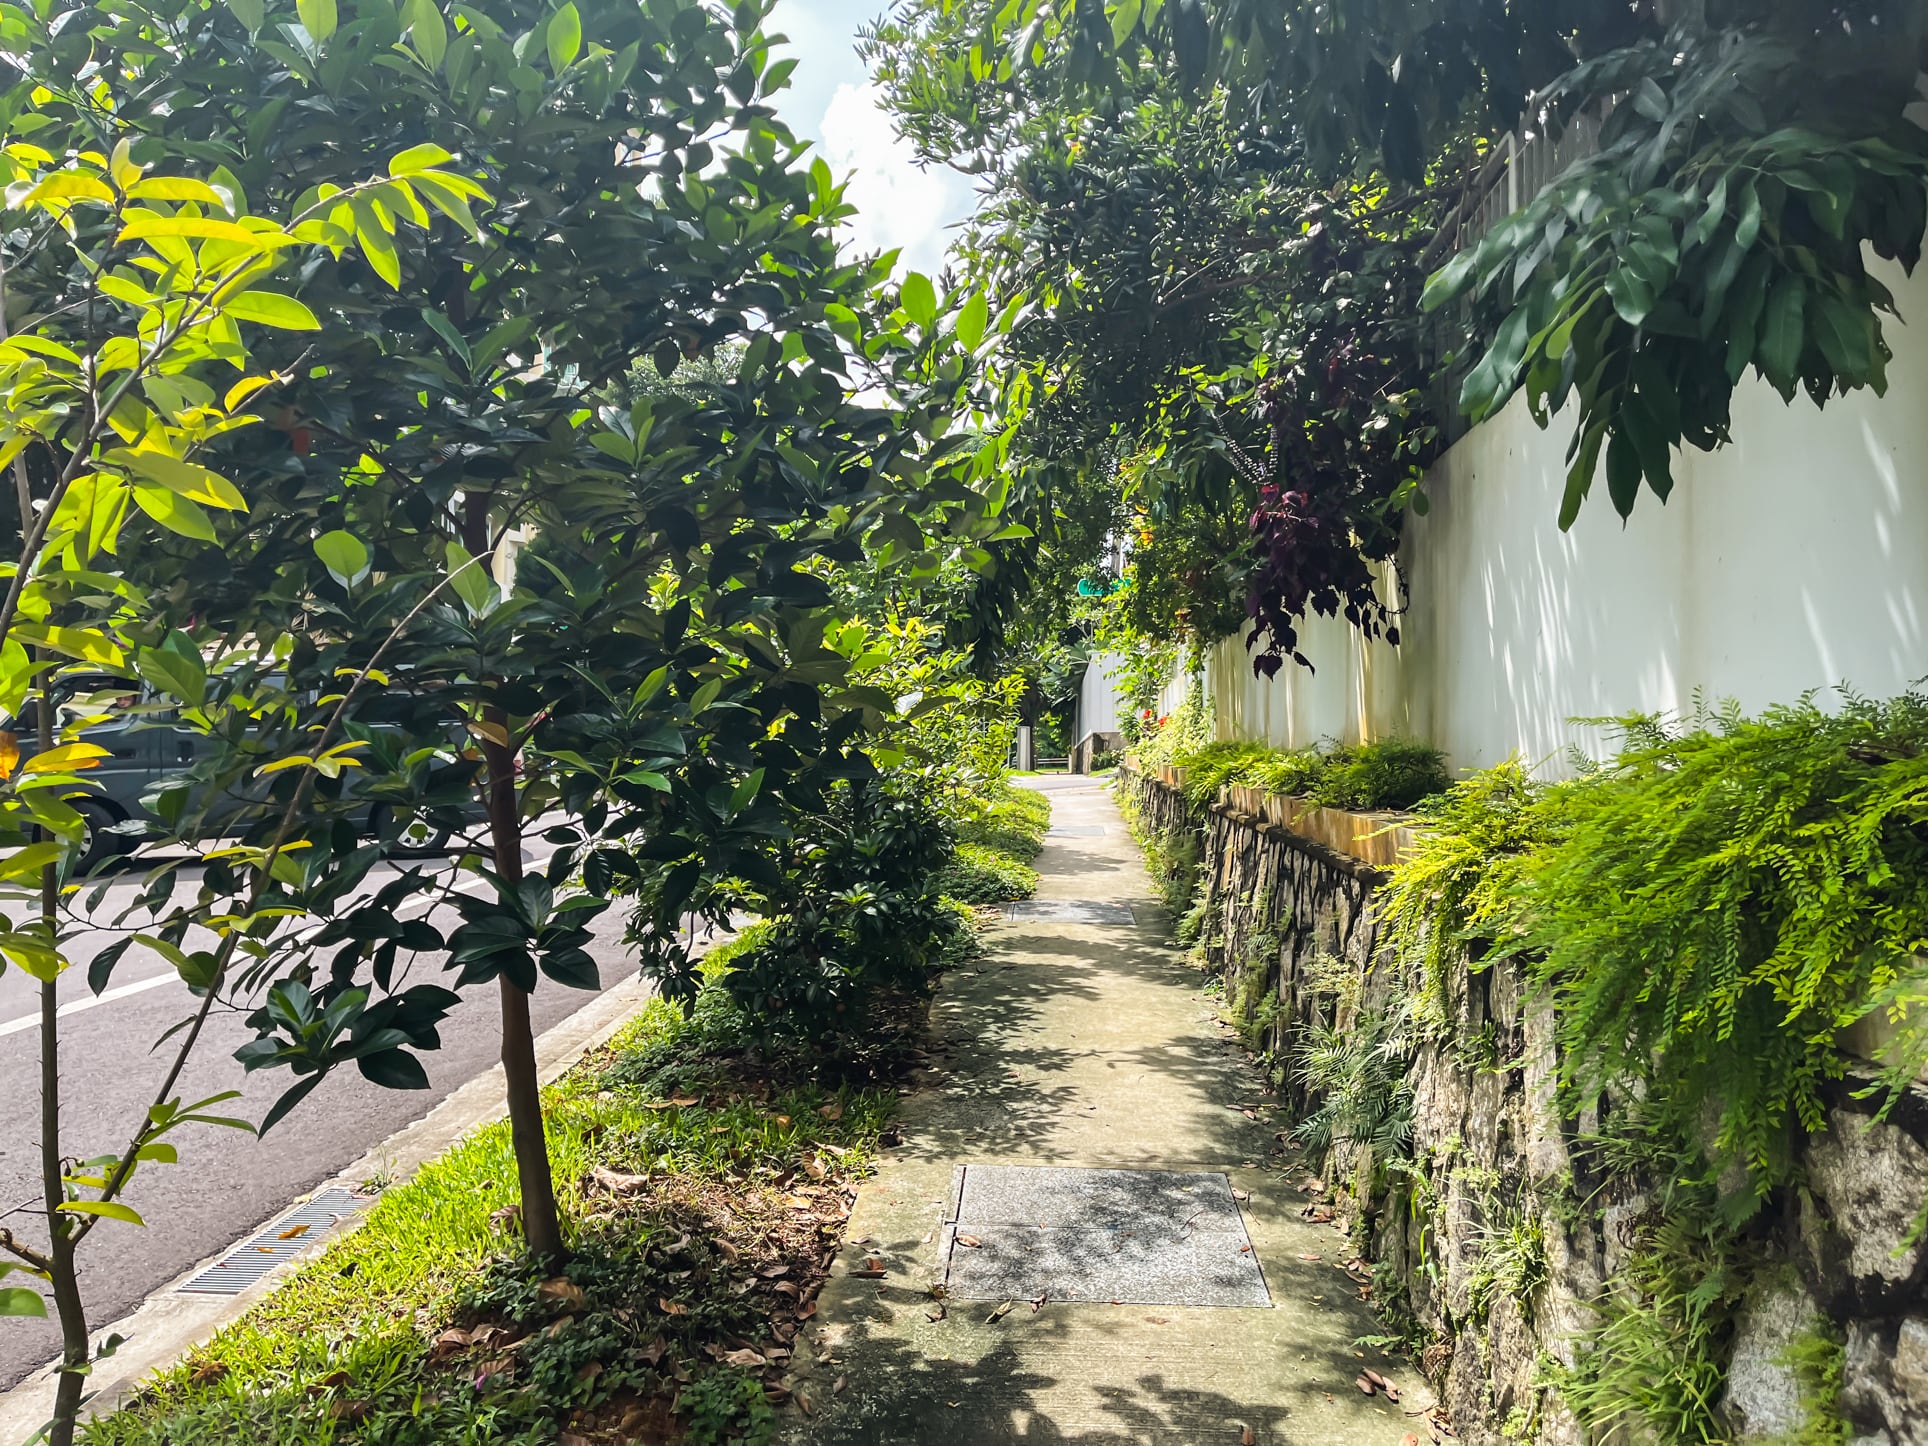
1082	1043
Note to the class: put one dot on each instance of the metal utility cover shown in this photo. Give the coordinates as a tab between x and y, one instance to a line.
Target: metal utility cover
1072	911
1077	830
1138	1237
281	1240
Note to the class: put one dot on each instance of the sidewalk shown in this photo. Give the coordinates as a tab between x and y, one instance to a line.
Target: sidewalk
1088	1044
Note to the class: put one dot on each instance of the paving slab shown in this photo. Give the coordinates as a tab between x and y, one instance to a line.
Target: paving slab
1071	911
1087	1047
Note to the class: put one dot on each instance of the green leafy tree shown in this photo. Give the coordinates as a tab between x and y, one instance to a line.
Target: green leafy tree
656	667
118	384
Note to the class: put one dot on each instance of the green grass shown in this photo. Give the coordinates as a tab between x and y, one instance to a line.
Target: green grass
1011	821
982	875
344	1352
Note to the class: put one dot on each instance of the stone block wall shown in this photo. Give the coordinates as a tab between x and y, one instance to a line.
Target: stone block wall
1492	1235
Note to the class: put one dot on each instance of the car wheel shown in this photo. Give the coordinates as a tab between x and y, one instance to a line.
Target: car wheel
415	837
100	844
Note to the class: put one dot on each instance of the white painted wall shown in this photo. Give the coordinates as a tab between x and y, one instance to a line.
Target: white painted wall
1794	559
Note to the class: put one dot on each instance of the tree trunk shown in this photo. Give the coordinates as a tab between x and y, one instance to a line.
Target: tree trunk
541	1225
68	1306
541	1221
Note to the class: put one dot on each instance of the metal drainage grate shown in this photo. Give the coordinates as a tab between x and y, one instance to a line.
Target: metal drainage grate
1138	1237
283	1239
1072	911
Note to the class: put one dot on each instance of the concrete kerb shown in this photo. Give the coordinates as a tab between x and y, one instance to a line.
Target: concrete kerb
167	1325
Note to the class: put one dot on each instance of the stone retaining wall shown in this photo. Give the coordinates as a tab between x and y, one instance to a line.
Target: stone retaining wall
1491	1238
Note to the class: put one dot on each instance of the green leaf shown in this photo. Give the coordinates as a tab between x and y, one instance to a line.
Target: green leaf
105	1209
1782	334
564	38
1447	282
973	320
249	12
271	308
376	243
173	511
1124	19
472	581
919	300
1633	294
343	554
18	1300
745	792
1841	330
1748	229
317	18
1623	473
174	674
428	32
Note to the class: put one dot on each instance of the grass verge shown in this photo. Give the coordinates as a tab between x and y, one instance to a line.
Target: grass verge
706	1181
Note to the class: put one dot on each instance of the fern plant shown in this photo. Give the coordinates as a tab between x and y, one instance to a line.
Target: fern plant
1715	907
1360	1072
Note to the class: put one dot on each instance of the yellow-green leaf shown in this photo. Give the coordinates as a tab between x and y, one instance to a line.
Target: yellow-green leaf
87	644
69	186
66	758
173	511
176	188
271	308
564	38
317	18
190	479
105	1209
418	158
147	226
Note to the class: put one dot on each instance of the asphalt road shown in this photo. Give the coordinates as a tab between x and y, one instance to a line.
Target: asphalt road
227	1182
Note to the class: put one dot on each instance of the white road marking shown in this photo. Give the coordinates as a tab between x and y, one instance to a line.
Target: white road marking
30	1021
14	1026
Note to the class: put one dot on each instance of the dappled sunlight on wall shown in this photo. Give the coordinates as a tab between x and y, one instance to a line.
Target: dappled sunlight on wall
1794	559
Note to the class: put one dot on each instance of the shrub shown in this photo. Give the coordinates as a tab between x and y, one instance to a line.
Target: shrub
1386	773
859	915
1007	819
981	875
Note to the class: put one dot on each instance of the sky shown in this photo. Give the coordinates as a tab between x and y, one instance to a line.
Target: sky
830	101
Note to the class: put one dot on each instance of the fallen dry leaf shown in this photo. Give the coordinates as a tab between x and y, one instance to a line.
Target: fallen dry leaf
671	1307
832	1111
1001	1312
969	1241
836	1387
292	1232
937	1314
1159	1319
871	1268
1241	1194
1247	1438
618	1183
1363	1384
208	1372
563	1291
1308	1256
1409	1439
745	1357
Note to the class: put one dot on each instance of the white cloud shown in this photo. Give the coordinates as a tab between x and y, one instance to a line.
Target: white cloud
900	205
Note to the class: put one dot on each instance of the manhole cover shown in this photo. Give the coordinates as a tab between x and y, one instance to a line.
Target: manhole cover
1138	1237
1072	911
1077	830
281	1240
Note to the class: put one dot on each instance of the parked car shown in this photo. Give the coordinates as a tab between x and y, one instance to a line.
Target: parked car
148	750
